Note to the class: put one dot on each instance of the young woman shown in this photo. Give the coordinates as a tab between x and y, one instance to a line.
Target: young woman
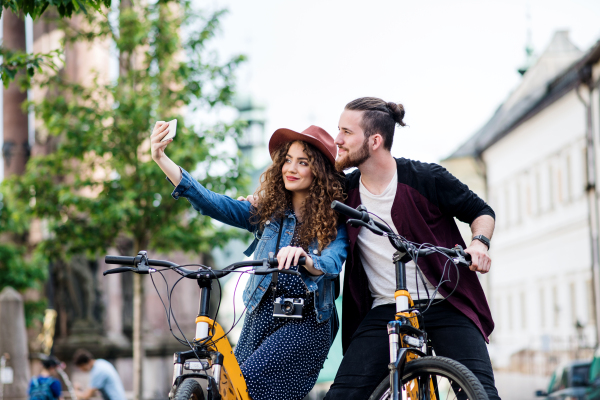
281	357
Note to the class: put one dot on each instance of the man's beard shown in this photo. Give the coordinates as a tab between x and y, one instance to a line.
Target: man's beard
354	159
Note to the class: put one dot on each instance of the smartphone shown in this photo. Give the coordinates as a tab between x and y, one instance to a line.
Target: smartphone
172	130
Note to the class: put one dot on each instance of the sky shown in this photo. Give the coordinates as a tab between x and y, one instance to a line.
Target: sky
450	63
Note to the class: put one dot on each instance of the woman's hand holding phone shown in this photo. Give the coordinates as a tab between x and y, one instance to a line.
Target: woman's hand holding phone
157	146
161	129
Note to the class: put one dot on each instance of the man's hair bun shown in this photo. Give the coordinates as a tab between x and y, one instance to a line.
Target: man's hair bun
397	112
376	117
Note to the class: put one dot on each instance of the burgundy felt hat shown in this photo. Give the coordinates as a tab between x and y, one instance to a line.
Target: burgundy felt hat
314	135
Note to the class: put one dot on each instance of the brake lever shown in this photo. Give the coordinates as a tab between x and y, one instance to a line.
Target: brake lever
118	270
463	259
370	226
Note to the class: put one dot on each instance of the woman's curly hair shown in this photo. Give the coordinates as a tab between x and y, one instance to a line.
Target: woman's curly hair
319	219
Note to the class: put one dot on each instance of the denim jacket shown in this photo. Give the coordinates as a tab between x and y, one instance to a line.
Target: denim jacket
237	213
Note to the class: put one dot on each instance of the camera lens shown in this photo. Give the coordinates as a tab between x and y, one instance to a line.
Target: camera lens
287	307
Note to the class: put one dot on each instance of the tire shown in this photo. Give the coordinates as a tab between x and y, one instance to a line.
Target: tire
189	389
452	381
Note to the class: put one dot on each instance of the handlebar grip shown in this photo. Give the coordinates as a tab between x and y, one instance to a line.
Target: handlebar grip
354	214
118	270
272	270
119	260
273	261
466	259
347	211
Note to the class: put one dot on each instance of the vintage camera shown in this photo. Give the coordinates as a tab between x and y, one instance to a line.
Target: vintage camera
288	307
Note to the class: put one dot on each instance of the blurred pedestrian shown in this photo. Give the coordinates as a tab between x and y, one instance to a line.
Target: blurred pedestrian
103	377
45	386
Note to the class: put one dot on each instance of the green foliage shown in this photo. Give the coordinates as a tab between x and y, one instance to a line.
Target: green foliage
100	183
18	269
16	61
18	273
65	8
34	311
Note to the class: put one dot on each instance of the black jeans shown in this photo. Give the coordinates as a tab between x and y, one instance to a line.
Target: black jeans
451	333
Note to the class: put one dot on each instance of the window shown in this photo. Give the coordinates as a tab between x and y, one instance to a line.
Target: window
556	306
507	205
585	168
573	298
523	308
559	185
538	192
568	178
580	375
528	200
542	308
549	181
510	313
590	300
518	201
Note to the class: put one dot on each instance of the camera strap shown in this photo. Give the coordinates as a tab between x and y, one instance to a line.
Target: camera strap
275	277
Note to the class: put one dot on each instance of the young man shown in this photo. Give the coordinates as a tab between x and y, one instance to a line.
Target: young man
103	377
45	385
419	201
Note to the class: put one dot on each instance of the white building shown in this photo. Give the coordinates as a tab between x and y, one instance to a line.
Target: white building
530	162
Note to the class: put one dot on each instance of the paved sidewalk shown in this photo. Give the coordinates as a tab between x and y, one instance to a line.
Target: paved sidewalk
514	386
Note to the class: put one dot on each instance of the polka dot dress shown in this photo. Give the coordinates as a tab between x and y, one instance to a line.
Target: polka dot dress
281	357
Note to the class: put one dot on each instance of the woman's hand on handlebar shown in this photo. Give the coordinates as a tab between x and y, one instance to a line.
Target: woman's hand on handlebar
480	259
289	256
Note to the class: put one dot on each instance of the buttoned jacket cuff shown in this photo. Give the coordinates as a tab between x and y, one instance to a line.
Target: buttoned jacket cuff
184	184
318	264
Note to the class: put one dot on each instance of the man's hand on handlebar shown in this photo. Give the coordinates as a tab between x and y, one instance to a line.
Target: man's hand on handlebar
480	259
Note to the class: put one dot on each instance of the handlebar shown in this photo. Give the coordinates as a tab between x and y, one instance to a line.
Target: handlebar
142	266
359	214
360	217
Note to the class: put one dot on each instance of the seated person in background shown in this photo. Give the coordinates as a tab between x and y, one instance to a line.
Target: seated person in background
45	385
103	377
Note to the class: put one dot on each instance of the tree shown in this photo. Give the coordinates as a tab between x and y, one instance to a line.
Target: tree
65	8
15	61
100	183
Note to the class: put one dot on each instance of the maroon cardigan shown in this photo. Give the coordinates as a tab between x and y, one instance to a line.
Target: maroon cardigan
427	199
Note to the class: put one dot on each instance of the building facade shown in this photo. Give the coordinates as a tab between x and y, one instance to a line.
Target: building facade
534	162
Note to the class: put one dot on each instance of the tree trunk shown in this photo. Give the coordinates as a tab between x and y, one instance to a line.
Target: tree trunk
15	149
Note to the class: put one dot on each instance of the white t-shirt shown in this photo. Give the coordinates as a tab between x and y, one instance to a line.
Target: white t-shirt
376	251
